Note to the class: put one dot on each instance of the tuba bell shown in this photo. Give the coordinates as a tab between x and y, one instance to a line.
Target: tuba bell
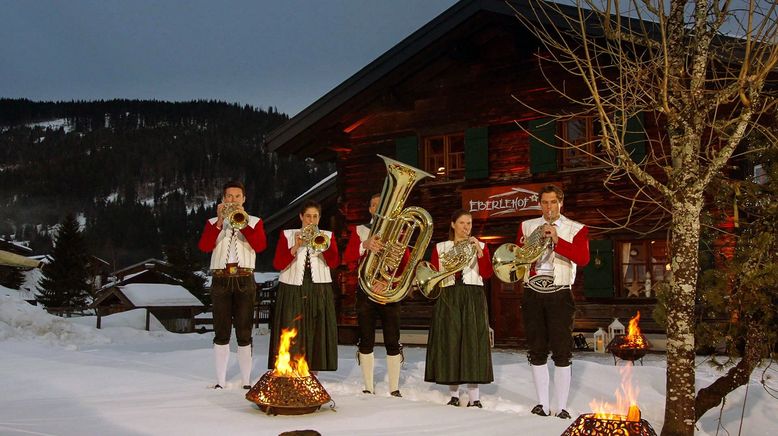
235	216
511	263
451	262
314	238
395	226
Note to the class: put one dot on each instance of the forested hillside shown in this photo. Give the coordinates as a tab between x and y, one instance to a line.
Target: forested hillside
142	175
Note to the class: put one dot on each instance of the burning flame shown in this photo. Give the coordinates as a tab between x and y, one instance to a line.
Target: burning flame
634	337
285	366
626	407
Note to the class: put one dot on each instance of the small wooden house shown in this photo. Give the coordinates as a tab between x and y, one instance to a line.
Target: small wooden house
172	305
443	100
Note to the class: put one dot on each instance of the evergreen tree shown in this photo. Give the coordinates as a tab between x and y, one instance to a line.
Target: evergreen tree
11	277
65	281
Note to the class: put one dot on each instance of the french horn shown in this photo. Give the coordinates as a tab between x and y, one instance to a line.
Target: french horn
451	262
511	263
314	238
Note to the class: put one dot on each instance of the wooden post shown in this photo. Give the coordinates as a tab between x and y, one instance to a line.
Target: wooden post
99	320
148	318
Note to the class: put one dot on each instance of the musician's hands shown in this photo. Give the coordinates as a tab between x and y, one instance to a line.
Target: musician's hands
480	252
373	244
220	215
378	286
550	231
298	242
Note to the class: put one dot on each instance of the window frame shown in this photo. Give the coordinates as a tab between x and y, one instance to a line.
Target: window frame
649	262
584	149
449	158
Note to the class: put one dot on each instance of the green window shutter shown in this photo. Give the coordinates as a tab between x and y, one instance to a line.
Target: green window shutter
477	153
542	157
407	149
598	274
635	138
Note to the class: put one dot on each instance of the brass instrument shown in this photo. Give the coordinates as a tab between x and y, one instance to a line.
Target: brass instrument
512	263
234	216
314	238
451	262
395	226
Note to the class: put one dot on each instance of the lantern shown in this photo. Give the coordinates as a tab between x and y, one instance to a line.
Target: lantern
599	340
615	328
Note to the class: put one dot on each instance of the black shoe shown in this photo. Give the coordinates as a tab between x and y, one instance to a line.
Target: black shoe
538	410
475	403
396	394
218	386
366	392
563	414
454	401
246	386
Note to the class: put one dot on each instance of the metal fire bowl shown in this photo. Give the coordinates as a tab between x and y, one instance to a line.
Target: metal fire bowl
626	353
588	425
288	395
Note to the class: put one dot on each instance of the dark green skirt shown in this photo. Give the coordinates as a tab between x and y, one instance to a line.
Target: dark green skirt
310	309
458	349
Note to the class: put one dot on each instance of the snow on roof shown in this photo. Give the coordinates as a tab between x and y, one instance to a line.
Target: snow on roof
264	277
156	294
321	182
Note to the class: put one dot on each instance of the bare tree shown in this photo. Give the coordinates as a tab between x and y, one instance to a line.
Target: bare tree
698	70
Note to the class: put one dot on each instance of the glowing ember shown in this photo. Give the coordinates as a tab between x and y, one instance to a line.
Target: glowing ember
285	366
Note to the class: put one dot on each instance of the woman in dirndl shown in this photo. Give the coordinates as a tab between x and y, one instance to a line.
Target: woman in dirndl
458	346
305	299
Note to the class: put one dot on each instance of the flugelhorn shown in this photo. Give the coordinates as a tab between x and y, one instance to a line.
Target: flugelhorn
235	216
511	263
314	238
395	226
451	262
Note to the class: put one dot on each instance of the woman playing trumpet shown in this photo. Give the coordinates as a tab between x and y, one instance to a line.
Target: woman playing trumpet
458	349
305	299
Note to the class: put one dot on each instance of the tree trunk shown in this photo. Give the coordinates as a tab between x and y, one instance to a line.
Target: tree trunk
680	395
712	395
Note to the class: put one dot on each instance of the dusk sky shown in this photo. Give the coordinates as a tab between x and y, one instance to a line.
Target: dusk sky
264	53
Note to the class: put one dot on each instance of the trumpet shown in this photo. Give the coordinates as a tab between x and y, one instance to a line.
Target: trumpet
314	238
235	216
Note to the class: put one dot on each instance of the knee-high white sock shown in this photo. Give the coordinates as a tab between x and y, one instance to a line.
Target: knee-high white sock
473	393
221	356
366	362
393	364
453	390
562	377
540	375
245	362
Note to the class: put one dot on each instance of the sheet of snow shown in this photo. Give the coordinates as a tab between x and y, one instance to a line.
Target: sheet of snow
156	294
124	381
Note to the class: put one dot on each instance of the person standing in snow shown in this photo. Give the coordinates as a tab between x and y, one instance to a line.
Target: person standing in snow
547	305
233	289
458	346
305	299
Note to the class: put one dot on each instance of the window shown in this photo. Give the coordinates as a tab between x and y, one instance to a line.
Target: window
642	264
584	134
444	157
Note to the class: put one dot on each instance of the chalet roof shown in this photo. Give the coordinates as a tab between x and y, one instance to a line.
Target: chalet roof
147	264
286	138
155	294
321	192
15	247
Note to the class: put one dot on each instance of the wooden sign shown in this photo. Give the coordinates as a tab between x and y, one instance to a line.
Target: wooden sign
502	201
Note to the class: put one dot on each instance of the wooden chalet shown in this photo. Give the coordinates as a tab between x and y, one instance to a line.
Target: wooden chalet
443	100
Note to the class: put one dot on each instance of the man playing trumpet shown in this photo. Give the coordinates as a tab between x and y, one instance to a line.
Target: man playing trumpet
233	242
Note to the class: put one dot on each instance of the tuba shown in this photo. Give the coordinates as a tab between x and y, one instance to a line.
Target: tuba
314	238
511	263
451	262
395	226
235	217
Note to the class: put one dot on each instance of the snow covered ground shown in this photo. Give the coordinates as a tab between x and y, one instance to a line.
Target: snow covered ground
64	377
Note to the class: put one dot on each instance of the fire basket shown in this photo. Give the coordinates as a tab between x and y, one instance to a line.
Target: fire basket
625	348
590	425
279	395
289	389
